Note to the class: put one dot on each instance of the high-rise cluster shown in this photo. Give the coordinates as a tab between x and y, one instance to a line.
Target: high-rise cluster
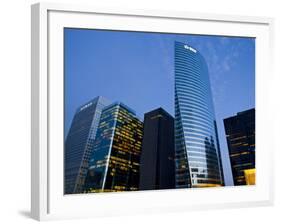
109	148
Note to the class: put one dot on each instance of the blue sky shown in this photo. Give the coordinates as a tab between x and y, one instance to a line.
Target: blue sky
137	69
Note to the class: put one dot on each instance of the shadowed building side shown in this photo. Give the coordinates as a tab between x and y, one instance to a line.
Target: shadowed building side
157	166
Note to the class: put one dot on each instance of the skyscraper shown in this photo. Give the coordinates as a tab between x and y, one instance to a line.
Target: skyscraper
198	161
79	144
240	136
114	163
157	166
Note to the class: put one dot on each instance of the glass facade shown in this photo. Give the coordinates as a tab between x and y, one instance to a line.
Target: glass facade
198	160
240	136
114	162
79	144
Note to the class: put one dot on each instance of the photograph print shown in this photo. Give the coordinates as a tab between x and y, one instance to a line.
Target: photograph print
156	111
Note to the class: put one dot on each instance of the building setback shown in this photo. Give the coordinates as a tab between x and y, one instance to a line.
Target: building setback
157	166
198	160
240	136
79	144
114	163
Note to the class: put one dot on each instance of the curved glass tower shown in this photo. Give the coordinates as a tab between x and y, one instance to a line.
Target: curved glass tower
198	160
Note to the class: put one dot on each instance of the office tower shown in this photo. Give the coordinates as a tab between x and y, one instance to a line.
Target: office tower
157	166
198	161
114	163
79	144
240	136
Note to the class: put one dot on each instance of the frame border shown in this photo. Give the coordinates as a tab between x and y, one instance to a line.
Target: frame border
40	87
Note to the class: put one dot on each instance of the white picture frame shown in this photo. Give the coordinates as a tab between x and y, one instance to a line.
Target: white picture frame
47	199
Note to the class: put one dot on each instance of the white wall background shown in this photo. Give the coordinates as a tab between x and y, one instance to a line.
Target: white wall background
15	110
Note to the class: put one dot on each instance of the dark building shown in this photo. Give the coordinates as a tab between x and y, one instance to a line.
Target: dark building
157	166
79	144
240	135
114	162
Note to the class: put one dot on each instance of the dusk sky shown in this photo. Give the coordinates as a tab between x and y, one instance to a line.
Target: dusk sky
137	69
